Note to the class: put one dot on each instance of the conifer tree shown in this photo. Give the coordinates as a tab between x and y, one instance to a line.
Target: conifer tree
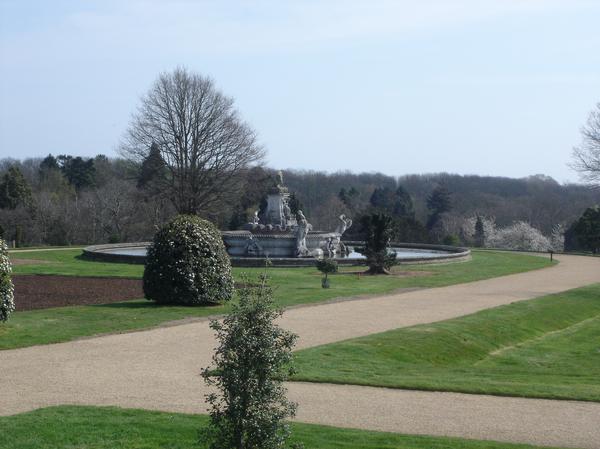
14	190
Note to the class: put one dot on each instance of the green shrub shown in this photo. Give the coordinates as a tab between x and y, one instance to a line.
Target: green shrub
326	266
451	240
187	264
378	234
248	404
7	301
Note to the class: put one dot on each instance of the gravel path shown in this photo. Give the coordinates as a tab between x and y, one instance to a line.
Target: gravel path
159	369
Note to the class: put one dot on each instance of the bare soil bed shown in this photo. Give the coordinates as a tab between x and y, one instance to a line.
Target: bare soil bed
43	292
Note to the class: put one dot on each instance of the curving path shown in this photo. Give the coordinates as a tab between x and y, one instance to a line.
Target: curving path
159	369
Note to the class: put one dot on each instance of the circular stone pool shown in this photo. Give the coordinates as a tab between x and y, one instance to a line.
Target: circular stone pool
405	253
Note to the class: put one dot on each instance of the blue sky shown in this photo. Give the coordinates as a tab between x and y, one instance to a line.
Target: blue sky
491	87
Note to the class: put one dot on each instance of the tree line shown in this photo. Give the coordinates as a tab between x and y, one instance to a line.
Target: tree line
66	200
188	151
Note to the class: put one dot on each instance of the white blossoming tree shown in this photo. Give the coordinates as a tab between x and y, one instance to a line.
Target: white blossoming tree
7	302
479	237
519	236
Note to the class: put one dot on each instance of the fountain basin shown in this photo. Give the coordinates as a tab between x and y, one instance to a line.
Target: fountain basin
407	253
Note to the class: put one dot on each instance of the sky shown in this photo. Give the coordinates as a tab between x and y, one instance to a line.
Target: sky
489	87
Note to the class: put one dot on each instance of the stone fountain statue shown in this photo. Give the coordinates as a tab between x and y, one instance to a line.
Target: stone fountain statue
280	234
301	232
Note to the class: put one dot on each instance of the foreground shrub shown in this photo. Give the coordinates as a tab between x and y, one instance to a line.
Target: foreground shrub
251	361
187	264
7	302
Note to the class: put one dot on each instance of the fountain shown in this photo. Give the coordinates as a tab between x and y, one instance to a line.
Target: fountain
287	239
282	234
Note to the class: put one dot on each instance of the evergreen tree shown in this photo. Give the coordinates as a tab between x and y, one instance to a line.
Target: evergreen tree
383	199
438	203
252	359
403	204
351	199
479	236
14	190
103	171
153	170
397	203
49	163
378	230
49	172
586	230
78	171
409	230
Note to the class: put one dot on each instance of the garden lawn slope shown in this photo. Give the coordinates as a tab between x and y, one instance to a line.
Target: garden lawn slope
292	286
70	427
547	347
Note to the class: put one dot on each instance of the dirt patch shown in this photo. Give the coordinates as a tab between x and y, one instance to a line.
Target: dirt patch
43	292
16	262
46	291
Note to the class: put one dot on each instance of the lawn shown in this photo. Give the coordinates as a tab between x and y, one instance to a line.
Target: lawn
69	427
293	286
547	347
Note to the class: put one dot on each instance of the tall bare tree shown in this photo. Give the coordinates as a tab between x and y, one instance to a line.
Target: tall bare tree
586	157
202	140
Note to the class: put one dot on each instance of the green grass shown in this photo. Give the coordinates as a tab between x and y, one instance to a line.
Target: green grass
485	264
68	262
547	347
70	427
293	286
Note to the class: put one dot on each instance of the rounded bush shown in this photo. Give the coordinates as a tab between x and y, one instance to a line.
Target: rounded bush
187	264
327	265
7	299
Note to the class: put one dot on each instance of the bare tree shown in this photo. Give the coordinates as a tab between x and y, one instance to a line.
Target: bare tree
201	138
586	157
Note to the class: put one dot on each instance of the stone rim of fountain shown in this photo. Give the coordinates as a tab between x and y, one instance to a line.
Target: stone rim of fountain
106	253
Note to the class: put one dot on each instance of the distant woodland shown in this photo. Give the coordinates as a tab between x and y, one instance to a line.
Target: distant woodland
67	200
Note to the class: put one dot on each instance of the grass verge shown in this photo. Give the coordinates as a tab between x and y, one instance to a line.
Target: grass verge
293	286
547	347
68	427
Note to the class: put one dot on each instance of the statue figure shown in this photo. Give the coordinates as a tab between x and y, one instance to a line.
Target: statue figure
279	179
253	249
287	213
331	247
336	242
345	223
303	227
255	219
